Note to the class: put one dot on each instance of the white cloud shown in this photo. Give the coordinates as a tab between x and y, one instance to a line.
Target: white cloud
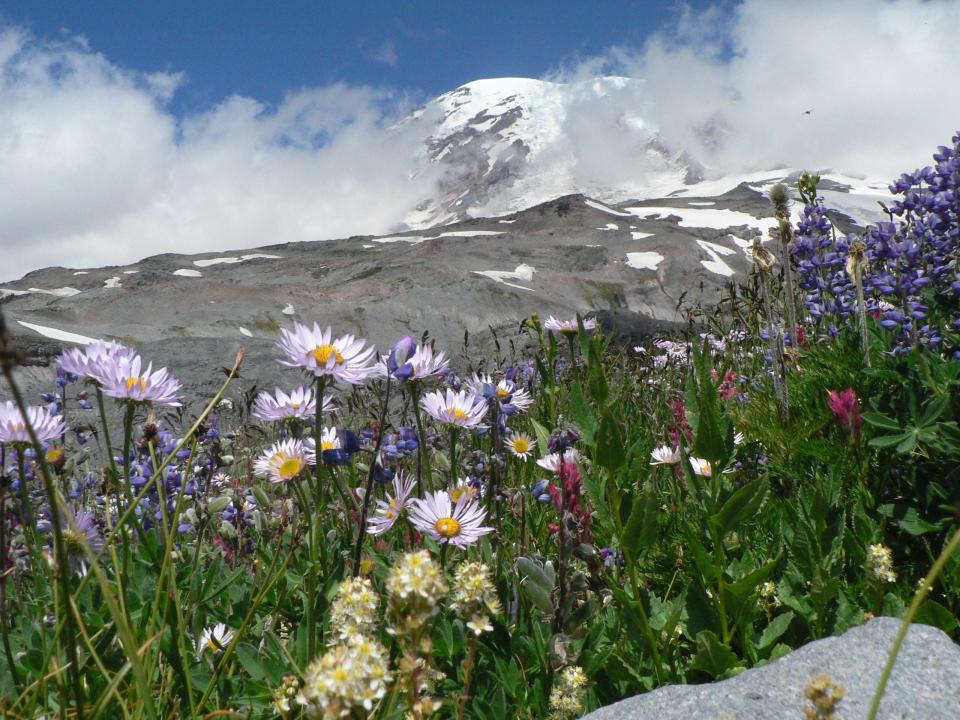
387	53
98	171
730	85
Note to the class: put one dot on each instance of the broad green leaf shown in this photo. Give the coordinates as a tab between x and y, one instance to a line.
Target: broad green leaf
777	627
713	657
640	532
581	412
611	452
743	504
882	421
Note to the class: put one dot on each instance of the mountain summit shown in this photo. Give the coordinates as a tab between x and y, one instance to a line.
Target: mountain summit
506	144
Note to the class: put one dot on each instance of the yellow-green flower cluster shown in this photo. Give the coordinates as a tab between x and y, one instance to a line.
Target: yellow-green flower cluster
566	697
415	587
880	563
284	695
474	596
348	677
825	695
354	609
767	597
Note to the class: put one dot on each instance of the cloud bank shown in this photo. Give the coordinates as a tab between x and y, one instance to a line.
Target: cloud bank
97	170
731	85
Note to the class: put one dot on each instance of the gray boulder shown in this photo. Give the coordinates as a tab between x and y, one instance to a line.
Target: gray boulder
924	685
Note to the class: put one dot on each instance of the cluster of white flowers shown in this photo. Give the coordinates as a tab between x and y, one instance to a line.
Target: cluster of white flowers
880	563
347	677
566	697
284	695
767	596
415	587
354	609
474	596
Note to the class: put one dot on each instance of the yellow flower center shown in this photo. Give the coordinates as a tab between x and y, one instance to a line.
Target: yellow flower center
212	644
17	427
502	392
323	353
447	527
328	445
54	455
290	467
133	381
520	445
295	406
458	414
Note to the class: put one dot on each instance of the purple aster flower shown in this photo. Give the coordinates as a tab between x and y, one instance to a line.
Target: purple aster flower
124	379
94	360
344	359
13	427
389	511
568	327
300	404
459	524
284	461
461	409
408	362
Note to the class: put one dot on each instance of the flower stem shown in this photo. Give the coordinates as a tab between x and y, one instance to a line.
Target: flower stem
423	469
918	599
361	531
453	457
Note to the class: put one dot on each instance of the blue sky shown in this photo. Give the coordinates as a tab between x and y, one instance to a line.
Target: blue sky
263	49
129	128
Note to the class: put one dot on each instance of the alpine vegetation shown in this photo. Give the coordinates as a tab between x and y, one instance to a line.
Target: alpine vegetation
391	535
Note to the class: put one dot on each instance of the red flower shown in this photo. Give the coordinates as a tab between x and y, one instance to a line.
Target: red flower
846	409
728	388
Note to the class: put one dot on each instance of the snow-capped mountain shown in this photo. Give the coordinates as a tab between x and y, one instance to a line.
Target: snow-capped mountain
532	216
506	144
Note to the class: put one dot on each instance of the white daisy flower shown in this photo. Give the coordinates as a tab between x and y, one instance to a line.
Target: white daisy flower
460	524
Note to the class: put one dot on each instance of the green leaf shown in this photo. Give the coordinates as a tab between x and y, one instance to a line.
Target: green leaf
885	441
777	627
640	532
251	661
713	657
581	412
933	613
747	584
543	437
882	421
611	452
743	504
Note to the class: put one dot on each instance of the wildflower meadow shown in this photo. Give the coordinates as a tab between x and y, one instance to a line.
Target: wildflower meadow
525	534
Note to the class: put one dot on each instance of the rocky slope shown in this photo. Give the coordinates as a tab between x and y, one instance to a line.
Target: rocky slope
633	263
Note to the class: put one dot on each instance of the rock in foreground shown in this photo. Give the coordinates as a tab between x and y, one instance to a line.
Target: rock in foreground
924	685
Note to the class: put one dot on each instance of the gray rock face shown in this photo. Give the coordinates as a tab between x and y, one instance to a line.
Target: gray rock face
636	266
924	685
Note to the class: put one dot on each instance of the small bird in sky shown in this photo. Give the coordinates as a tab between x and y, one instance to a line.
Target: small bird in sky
808	112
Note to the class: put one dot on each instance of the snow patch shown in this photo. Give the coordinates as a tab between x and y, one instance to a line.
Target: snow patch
470	233
244	331
56	292
130	272
186	272
82	272
412	239
703	202
522	272
603	208
55	334
507	222
113	283
644	260
288	310
231	259
705	217
716	264
610	226
640	235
